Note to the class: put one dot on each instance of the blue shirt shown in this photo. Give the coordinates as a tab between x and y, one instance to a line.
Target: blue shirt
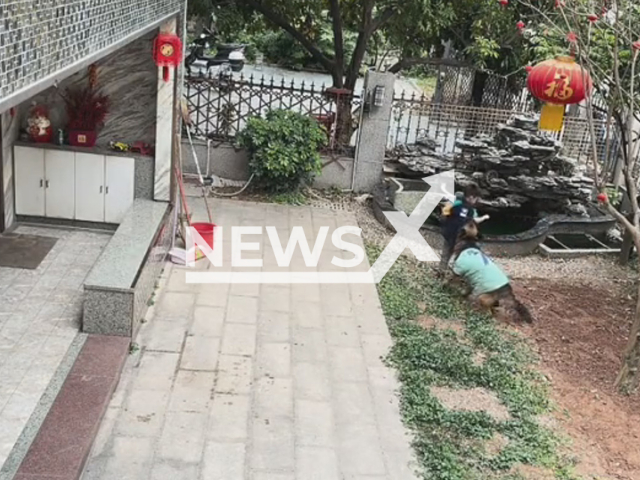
459	214
483	275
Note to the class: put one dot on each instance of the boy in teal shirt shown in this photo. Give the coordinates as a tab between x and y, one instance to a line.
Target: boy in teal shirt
479	271
490	285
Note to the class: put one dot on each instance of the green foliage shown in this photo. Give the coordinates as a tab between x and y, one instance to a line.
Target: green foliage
450	444
284	149
279	48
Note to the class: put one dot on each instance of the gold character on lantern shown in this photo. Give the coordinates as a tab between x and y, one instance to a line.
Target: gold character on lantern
560	87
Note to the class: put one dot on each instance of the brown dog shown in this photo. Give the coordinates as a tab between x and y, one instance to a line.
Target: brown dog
490	286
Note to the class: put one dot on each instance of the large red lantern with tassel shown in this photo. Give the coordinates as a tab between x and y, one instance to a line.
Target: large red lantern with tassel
558	82
167	52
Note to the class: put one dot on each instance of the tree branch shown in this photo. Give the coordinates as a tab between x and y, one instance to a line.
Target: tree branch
409	62
278	20
382	19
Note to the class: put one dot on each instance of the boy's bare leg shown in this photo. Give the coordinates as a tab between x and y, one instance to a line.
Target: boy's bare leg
445	256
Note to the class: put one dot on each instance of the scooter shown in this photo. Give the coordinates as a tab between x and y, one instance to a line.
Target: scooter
229	54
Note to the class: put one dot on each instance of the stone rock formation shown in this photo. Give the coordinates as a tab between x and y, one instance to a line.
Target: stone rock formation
516	169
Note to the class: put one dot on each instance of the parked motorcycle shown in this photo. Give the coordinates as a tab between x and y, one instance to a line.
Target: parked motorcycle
227	54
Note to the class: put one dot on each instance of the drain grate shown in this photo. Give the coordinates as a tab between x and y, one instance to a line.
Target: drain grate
575	245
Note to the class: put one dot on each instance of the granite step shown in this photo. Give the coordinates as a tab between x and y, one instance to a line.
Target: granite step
62	445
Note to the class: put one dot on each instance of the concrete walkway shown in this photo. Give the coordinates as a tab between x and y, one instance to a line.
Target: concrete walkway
257	382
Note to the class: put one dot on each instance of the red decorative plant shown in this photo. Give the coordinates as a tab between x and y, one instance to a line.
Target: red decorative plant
87	109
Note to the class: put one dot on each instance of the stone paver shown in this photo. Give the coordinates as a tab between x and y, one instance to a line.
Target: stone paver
40	315
258	382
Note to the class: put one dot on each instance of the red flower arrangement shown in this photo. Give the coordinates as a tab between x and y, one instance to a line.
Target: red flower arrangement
86	111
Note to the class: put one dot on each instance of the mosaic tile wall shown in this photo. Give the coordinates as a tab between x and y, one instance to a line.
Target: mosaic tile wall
40	37
129	77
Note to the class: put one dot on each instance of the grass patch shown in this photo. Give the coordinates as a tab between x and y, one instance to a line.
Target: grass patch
450	445
427	84
291	198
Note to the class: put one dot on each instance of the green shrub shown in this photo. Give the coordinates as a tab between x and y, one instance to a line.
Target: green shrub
283	149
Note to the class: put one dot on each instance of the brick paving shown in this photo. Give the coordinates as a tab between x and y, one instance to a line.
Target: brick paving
257	382
40	313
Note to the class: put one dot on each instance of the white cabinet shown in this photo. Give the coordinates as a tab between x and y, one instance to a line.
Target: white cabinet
29	181
59	192
119	187
89	187
81	186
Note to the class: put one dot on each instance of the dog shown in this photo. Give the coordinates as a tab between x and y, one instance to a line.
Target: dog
490	286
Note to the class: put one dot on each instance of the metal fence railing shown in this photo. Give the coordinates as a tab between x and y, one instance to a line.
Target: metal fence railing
220	107
415	116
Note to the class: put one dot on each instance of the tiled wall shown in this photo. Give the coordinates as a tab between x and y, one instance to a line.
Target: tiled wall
129	78
41	37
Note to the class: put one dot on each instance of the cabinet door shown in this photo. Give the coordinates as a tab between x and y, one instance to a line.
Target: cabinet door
89	187
60	175
29	181
119	188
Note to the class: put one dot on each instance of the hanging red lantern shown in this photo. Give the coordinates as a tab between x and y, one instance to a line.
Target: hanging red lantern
504	3
558	82
593	18
520	25
167	53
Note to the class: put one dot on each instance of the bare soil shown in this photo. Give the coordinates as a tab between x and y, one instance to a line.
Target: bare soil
472	400
580	332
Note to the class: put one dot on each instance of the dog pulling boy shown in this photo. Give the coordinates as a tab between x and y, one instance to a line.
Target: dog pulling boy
455	216
490	285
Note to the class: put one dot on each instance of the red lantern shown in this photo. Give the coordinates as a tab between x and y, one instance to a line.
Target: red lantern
167	52
603	198
504	3
520	25
558	82
593	18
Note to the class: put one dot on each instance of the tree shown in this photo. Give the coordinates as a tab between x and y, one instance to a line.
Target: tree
414	28
604	36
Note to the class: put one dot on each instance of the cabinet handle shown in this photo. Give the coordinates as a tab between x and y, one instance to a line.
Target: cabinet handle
41	183
106	190
46	184
100	188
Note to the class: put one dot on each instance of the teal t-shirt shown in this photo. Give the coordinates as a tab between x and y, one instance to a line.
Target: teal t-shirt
483	275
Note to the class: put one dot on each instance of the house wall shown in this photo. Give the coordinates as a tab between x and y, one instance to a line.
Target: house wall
39	39
232	163
164	124
129	78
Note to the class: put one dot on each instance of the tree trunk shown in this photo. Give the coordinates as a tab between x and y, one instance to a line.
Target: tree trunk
344	123
477	90
628	379
477	94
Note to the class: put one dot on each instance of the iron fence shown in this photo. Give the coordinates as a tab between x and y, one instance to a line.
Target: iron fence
219	108
417	116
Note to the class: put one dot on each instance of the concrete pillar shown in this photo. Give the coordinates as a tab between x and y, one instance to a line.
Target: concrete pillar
164	126
374	129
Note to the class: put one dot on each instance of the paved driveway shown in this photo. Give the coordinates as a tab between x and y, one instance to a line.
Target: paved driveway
257	382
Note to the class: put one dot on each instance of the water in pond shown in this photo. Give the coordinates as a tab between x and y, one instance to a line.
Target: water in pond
499	224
